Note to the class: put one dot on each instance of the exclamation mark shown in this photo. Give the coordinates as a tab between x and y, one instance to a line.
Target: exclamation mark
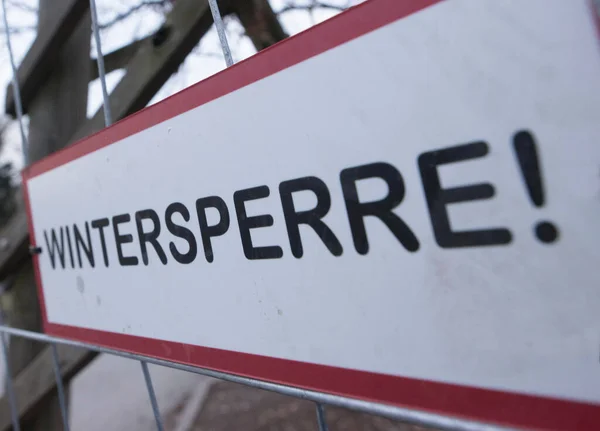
527	155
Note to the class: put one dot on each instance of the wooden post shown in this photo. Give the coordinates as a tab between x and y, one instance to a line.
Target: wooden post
55	112
41	56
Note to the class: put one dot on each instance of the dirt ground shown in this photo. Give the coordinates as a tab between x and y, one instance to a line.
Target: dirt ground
229	406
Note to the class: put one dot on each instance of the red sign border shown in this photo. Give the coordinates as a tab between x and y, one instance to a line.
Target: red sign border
494	406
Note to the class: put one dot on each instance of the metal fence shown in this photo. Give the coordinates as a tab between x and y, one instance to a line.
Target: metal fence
320	399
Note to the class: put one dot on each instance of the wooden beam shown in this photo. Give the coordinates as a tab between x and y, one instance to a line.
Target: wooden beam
117	59
13	237
37	382
42	55
155	60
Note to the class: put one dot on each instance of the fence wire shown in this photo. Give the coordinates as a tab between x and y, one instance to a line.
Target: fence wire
108	121
320	399
60	388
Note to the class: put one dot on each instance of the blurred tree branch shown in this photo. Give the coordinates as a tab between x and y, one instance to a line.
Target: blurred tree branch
160	5
312	6
163	6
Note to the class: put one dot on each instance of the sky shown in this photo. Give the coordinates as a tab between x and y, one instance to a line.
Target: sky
204	61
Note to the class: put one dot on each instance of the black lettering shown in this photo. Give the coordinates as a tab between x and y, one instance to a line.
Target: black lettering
311	217
381	209
181	232
438	198
246	223
100	224
72	259
55	248
218	229
149	237
79	244
123	239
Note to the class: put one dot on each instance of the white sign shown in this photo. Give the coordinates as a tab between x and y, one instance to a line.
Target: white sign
399	205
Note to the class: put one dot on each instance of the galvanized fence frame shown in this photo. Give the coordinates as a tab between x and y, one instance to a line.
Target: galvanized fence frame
320	399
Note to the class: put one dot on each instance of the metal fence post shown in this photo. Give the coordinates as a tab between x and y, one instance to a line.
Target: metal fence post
321	419
220	26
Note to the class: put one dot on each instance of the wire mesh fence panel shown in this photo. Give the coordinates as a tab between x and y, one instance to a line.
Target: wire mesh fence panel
319	335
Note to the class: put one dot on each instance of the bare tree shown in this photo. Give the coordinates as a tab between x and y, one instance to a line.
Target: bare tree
248	24
127	11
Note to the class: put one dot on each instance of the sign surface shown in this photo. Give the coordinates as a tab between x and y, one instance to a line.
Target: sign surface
401	205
